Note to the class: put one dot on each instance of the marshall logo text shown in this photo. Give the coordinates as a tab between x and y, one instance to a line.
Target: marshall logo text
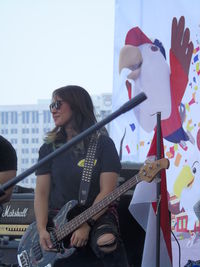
10	212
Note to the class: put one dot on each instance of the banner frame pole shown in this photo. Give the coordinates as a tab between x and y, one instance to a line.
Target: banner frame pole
158	191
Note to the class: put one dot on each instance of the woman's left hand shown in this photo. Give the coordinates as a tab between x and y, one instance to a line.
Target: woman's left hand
80	236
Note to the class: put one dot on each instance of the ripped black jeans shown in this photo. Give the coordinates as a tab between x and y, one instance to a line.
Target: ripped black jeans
92	255
108	223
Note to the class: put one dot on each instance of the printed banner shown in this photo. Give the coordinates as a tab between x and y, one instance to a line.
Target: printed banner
157	50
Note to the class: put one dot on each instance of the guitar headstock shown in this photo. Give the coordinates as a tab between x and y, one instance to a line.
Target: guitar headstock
150	169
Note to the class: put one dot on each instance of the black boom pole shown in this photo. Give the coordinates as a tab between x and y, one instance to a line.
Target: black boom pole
124	108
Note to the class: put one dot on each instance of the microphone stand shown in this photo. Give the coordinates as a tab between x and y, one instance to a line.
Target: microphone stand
158	192
124	108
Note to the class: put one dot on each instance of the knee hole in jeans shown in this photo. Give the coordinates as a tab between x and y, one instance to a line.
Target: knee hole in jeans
107	242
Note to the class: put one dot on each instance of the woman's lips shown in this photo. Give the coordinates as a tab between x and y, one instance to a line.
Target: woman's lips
55	117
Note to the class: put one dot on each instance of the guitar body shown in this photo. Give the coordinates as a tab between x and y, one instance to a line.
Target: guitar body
30	253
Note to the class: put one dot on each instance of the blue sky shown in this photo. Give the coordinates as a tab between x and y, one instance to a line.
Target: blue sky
46	44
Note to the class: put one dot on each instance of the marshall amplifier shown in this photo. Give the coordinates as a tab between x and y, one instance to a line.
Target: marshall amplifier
17	214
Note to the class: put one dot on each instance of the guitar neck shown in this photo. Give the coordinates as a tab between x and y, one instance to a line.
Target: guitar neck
73	224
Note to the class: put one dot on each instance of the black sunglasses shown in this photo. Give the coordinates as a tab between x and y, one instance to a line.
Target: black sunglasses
57	105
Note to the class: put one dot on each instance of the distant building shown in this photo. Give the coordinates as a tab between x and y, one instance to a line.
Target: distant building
103	106
25	127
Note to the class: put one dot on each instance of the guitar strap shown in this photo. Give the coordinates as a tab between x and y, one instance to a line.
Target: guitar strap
88	168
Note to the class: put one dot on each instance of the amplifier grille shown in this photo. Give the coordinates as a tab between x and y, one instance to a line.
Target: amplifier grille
13	230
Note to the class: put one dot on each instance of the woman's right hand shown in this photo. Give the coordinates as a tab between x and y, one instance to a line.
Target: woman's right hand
45	240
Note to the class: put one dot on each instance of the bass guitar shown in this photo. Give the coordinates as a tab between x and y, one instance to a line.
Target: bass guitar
31	254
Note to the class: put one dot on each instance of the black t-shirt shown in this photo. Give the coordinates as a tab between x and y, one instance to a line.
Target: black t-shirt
66	171
8	157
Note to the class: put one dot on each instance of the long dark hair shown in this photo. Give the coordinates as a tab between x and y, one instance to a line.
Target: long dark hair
82	109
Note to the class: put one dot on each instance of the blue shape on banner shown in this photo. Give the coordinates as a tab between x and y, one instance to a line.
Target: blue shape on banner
196	58
132	126
194	79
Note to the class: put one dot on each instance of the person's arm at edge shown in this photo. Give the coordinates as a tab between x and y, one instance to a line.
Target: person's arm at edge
41	209
5	176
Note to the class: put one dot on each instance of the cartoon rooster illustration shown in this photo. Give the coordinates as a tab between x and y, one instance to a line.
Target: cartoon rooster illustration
143	67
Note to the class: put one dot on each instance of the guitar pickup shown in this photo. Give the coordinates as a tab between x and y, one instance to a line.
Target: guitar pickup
37	251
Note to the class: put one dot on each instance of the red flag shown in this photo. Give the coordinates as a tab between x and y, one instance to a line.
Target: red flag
165	223
143	207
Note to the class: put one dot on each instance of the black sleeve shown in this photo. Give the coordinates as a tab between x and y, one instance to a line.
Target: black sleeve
8	157
45	150
110	161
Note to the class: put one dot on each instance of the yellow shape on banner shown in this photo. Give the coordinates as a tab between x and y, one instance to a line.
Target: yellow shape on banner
187	106
188	127
183	179
197	67
175	147
196	87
